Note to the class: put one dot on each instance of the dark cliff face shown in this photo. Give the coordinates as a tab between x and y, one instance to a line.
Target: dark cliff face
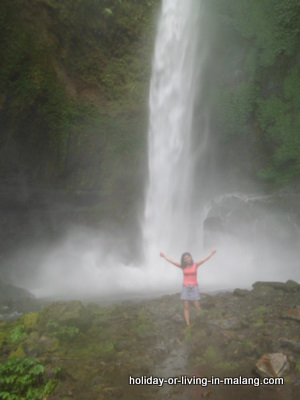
73	87
73	112
12	293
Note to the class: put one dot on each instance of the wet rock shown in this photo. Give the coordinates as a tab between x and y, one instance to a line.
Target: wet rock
240	292
159	351
272	365
178	318
112	392
207	302
289	344
231	323
289	286
262	289
292	313
140	366
150	337
34	345
272	285
292	286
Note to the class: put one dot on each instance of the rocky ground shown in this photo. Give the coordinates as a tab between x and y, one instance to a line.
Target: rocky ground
93	350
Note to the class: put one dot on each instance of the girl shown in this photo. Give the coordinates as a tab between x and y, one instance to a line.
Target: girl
190	290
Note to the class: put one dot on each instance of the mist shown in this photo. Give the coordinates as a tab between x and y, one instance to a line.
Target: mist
254	243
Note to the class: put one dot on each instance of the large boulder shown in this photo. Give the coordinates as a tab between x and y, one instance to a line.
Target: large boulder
272	365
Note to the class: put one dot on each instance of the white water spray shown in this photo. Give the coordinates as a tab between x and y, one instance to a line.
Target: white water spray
172	95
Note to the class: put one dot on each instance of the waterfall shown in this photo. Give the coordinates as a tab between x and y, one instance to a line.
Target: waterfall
190	204
246	229
172	94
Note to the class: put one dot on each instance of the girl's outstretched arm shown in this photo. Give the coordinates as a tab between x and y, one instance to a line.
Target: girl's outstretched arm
170	260
213	251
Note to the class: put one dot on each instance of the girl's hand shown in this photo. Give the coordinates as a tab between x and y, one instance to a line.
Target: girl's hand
162	255
213	251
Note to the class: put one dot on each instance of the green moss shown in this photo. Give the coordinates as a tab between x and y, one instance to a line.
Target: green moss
257	316
246	345
260	310
259	323
62	332
297	367
105	350
188	333
4	332
199	360
226	366
211	354
18	353
30	321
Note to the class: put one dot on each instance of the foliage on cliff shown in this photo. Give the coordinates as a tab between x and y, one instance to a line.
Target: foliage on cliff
254	85
73	89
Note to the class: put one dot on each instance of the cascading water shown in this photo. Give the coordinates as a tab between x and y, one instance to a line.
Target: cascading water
172	95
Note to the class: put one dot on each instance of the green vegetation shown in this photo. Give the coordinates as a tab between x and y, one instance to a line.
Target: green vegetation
227	366
73	96
297	367
211	354
258	315
253	86
62	332
18	333
24	379
96	362
29	321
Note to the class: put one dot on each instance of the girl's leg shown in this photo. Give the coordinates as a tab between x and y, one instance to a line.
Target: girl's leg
187	311
197	305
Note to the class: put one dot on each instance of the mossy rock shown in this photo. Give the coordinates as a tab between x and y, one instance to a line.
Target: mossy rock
18	353
263	289
241	292
30	321
292	286
3	332
64	311
289	286
36	345
104	351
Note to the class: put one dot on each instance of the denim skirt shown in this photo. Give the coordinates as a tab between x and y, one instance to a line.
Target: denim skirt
190	293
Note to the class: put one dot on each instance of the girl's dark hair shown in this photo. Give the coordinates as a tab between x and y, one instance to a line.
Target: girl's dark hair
183	264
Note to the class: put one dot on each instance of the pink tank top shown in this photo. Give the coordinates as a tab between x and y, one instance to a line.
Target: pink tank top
190	275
